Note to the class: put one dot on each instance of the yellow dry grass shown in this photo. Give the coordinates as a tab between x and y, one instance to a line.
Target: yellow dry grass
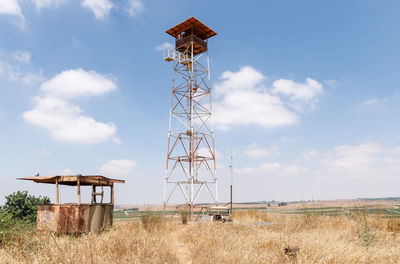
321	239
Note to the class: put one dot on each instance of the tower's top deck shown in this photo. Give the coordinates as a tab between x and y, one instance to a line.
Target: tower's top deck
191	33
199	29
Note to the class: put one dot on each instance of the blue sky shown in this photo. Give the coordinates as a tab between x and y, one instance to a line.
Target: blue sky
84	89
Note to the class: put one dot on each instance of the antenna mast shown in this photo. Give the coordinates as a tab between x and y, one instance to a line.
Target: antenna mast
231	168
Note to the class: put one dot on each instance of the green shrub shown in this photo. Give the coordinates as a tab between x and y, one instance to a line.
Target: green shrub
18	216
23	206
12	229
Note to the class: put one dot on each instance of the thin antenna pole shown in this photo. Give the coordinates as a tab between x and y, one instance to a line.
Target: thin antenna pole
231	167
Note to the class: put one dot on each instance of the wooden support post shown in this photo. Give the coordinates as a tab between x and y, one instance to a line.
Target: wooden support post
57	192
93	193
102	194
112	193
79	189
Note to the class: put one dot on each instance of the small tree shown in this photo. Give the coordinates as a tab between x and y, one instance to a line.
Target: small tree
23	206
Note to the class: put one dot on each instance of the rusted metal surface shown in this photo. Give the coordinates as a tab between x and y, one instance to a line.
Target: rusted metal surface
72	180
199	45
74	218
194	23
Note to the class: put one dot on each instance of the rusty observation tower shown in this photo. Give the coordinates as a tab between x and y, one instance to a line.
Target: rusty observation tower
190	165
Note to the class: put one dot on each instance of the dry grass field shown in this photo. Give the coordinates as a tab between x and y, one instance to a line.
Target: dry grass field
353	238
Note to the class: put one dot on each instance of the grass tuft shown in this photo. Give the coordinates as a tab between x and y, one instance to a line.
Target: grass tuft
151	221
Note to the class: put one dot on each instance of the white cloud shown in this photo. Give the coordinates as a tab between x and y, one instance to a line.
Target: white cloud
243	100
254	150
12	8
330	82
76	42
351	159
77	83
28	78
299	94
66	172
246	79
22	56
118	167
100	8
246	108
271	169
15	66
164	46
368	160
345	171
206	153
309	155
47	3
298	91
371	103
65	121
117	140
134	7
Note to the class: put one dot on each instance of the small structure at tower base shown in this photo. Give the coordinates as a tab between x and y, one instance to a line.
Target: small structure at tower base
76	218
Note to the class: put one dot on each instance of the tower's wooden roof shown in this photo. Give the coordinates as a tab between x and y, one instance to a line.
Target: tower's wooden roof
188	23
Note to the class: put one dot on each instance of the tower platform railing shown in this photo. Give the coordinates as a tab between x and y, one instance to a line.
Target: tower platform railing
188	39
174	55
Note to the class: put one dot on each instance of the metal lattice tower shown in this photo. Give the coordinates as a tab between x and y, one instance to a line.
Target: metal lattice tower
190	166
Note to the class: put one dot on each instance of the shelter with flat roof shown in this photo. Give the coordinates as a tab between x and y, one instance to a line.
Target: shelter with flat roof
77	217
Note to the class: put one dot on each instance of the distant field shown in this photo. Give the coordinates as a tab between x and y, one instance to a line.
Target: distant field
384	208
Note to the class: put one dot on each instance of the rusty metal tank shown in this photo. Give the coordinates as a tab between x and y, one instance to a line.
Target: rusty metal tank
74	218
